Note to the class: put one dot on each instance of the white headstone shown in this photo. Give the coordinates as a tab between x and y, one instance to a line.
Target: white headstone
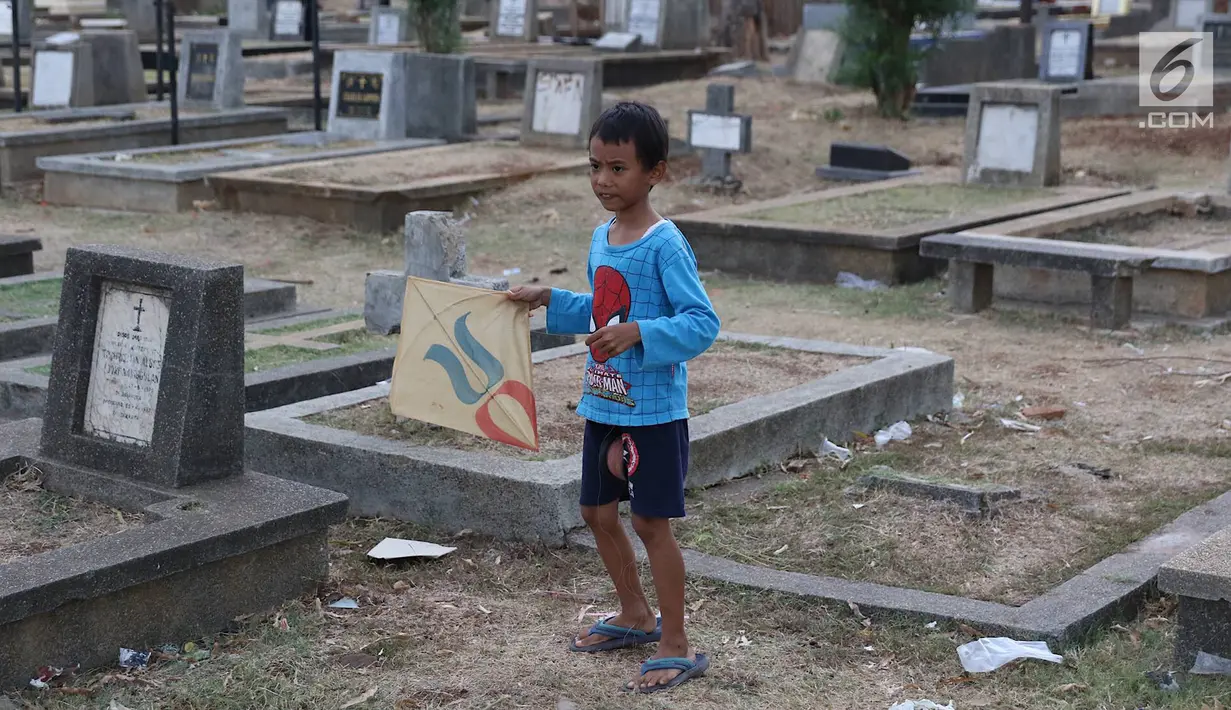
1007	137
6	17
53	78
643	18
388	28
122	398
716	132
511	21
288	18
558	99
1064	53
1188	14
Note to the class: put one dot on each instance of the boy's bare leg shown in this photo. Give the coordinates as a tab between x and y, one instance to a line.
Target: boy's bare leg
621	562
667	566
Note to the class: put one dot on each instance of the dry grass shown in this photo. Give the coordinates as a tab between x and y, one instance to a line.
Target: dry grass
899	206
37	520
729	372
1163	231
401	168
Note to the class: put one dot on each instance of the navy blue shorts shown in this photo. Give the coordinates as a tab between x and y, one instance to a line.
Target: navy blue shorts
656	459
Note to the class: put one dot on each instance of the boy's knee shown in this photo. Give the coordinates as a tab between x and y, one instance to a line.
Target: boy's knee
650	529
601	516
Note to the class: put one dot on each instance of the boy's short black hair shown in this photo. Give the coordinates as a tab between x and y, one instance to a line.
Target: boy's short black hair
636	122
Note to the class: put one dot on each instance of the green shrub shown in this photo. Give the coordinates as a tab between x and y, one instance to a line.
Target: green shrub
438	25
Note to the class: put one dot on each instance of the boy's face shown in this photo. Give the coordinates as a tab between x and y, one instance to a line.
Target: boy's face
617	176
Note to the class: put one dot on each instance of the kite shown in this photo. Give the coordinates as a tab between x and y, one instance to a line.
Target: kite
463	362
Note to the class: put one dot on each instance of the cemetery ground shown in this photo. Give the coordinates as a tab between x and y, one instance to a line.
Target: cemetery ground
488	625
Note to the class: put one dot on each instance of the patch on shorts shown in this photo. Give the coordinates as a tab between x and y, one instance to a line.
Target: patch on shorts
631	456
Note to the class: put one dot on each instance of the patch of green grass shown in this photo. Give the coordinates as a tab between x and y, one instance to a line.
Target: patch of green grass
349	342
918	300
899	206
33	299
309	325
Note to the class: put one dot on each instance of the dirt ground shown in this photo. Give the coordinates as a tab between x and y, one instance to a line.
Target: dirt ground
729	372
487	627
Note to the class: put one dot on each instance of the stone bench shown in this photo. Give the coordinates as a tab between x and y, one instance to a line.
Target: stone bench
972	258
17	255
1201	578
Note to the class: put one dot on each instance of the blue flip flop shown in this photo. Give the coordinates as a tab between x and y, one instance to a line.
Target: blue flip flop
621	637
688	670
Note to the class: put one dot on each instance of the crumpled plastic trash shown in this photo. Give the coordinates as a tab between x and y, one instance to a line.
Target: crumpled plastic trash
898	432
922	705
829	448
1209	664
848	280
134	659
988	654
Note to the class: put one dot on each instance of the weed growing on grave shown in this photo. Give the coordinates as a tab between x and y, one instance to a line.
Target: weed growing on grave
878	34
33	299
350	342
437	24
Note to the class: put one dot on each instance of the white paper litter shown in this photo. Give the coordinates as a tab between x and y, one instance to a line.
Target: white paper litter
829	448
898	432
922	705
1019	426
986	655
392	548
345	603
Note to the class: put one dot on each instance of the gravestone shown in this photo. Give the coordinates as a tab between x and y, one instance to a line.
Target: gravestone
645	19
63	76
718	132
816	57
1013	135
211	70
441	99
368	98
119	77
563	98
141	16
25	17
860	162
435	248
1219	26
289	21
665	24
1186	14
249	19
824	15
514	19
618	42
389	26
1068	52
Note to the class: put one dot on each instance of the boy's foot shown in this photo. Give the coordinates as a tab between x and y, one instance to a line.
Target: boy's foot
621	629
667	669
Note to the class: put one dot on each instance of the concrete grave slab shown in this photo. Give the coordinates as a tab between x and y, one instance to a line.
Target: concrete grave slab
145	412
440	102
30	330
975	501
513	498
26	137
514	20
368	99
172	179
1013	135
813	236
1188	280
388	26
1200	577
375	192
211	70
1108	591
563	99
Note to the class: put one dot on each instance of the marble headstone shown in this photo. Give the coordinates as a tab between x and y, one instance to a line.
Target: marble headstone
211	70
1013	135
369	95
563	98
389	25
514	19
63	76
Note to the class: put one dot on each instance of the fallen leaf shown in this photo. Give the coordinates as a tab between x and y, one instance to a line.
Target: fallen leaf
359	700
1044	413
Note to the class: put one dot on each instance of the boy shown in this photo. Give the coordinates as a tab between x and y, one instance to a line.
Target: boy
647	316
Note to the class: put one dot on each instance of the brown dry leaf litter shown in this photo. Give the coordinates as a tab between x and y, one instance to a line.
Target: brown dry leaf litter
900	206
729	372
37	520
402	167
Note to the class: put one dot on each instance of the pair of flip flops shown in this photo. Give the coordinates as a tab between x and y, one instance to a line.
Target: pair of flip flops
624	637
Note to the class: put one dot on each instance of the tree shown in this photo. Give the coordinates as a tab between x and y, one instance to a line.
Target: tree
439	25
877	35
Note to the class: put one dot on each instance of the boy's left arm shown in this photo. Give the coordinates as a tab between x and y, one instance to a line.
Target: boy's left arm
692	330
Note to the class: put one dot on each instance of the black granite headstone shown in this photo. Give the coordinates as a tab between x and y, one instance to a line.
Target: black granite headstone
202	71
360	95
862	162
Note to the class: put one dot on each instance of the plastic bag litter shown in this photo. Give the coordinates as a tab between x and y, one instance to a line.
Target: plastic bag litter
988	654
1209	664
134	659
922	705
848	280
898	432
829	448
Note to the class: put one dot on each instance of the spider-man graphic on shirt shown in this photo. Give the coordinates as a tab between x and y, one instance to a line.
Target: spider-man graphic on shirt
612	302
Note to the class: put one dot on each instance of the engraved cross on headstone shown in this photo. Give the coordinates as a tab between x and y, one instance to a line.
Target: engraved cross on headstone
139	308
718	131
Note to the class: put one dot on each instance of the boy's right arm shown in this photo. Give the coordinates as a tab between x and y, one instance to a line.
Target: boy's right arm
568	313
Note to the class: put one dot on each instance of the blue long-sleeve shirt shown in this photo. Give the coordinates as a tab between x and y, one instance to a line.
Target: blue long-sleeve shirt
652	282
